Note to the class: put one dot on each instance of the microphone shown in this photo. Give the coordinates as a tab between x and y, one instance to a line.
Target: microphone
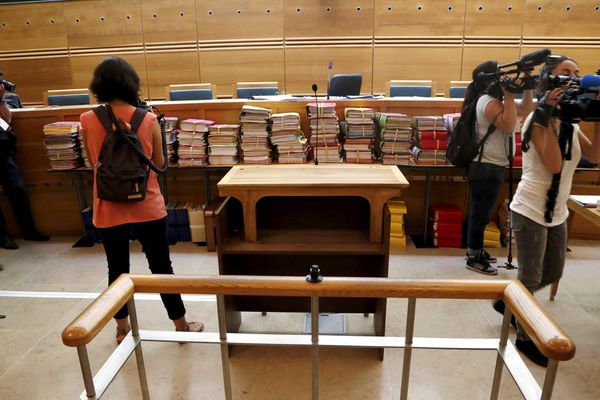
330	67
528	61
590	81
314	88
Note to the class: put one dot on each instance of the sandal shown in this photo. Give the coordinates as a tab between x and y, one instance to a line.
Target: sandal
193	326
122	333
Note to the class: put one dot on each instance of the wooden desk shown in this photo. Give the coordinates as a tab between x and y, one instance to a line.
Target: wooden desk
589	213
281	219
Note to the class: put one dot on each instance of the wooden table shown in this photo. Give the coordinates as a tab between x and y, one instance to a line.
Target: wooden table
589	213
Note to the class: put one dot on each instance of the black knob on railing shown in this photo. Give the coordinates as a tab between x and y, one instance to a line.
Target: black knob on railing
314	275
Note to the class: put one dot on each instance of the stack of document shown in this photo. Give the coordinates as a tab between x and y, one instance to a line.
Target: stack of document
192	149
255	145
397	211
491	235
359	135
63	147
445	225
223	141
324	140
288	139
171	133
396	135
431	140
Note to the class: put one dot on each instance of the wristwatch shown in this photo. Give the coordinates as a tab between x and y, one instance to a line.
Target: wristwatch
2	101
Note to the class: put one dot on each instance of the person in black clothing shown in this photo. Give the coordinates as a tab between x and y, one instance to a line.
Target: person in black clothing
12	184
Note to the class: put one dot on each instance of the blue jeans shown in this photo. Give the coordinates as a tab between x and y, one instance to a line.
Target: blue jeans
485	183
153	236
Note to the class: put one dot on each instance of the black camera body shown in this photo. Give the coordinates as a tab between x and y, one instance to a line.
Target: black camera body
578	103
9	86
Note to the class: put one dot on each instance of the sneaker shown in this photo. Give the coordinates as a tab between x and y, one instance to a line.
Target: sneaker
487	256
478	264
530	350
8	244
499	306
36	236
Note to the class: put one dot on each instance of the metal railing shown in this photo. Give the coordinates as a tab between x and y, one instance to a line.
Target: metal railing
542	329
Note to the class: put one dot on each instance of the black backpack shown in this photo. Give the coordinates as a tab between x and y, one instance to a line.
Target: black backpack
121	174
463	145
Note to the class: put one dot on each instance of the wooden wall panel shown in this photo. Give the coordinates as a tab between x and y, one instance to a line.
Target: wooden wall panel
475	55
103	23
82	67
33	76
562	18
23	27
494	18
334	18
587	59
419	18
439	64
308	65
165	68
226	67
239	19
169	21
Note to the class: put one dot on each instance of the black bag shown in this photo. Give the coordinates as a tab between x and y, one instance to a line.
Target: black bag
463	145
121	175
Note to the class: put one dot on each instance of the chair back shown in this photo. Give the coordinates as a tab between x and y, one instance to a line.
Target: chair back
396	88
67	97
458	89
197	91
345	85
247	90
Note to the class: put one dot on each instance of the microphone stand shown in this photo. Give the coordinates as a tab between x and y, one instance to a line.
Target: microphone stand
329	78
314	88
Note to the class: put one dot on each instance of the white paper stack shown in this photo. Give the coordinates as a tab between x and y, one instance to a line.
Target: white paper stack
63	147
255	145
288	139
324	141
396	138
192	142
223	143
359	135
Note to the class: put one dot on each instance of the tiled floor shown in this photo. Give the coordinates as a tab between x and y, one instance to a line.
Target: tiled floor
34	364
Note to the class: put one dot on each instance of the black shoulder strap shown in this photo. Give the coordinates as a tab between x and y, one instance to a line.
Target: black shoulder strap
104	118
137	118
491	129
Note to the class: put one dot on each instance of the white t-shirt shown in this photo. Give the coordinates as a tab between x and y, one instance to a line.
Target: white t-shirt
532	192
494	149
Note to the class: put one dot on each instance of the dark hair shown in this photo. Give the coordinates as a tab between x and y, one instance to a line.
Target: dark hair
115	78
479	85
551	63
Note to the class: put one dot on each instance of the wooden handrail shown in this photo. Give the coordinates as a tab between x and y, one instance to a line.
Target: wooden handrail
544	331
547	335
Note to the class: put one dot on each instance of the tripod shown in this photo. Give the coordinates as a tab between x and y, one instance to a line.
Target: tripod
511	159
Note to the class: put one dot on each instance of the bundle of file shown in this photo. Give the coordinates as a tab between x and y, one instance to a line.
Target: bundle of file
491	235
432	140
63	147
325	142
84	155
192	151
287	138
396	135
171	133
223	142
359	135
445	225
397	212
518	153
256	147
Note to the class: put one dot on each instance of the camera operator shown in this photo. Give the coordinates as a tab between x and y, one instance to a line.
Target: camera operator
495	105
538	217
12	184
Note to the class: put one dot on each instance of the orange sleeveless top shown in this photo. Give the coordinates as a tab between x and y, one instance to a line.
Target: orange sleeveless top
108	213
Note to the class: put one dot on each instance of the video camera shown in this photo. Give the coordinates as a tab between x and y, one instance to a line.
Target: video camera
525	64
9	86
578	101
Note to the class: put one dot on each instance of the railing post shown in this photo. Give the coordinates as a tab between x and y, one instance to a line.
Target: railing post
139	357
551	371
314	328
86	371
499	359
410	327
224	347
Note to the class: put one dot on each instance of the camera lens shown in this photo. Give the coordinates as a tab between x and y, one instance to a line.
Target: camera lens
9	86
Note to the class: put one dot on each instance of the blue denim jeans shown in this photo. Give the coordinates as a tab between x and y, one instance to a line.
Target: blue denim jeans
485	183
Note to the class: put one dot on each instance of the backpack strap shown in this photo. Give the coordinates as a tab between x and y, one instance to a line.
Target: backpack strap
104	118
491	129
137	118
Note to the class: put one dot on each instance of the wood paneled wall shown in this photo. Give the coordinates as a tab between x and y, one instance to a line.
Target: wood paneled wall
56	45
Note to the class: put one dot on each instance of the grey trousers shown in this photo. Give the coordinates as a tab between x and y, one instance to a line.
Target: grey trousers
540	254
